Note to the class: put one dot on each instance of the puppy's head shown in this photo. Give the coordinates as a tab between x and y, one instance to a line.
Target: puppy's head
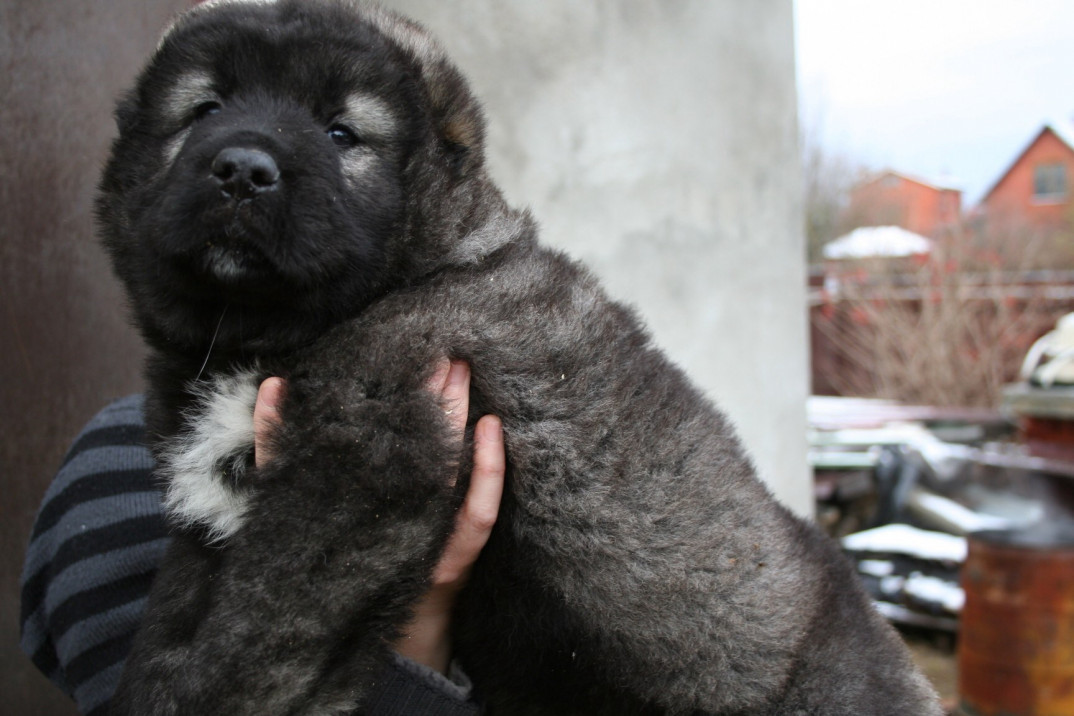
279	165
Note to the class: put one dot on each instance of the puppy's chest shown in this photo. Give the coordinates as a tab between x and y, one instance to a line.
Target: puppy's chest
203	465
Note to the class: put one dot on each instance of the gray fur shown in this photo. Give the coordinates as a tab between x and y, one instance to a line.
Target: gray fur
638	565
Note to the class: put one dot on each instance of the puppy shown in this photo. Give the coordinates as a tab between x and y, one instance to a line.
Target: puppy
299	189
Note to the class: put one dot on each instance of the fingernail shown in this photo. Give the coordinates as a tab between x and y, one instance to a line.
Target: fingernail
270	391
490	428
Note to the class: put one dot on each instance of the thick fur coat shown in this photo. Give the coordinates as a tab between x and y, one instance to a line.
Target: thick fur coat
298	189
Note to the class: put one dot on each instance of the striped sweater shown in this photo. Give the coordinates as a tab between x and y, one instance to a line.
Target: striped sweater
95	546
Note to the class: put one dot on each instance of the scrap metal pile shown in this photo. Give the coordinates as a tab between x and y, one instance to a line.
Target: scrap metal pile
903	487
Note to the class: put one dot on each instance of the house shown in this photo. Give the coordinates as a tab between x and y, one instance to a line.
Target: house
1036	188
892	198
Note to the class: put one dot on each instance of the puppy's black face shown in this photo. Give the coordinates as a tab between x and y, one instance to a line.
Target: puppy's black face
267	169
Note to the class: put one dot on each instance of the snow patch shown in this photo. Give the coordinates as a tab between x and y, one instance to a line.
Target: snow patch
908	540
933	590
877	241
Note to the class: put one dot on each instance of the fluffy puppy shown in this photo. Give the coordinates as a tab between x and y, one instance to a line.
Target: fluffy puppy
299	189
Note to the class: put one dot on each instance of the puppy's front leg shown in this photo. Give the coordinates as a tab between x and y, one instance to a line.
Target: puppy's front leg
293	612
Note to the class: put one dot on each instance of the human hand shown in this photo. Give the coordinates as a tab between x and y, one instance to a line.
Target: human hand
426	639
266	416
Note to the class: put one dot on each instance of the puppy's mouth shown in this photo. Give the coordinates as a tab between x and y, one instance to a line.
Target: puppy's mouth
234	264
230	251
235	269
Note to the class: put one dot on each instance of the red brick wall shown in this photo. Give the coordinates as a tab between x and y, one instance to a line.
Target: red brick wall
892	199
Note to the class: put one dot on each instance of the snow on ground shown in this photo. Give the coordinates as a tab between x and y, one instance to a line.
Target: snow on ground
884	241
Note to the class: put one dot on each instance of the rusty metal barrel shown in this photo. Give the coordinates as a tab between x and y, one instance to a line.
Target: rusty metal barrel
1016	641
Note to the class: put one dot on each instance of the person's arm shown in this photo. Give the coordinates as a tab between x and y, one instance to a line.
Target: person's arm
100	534
96	543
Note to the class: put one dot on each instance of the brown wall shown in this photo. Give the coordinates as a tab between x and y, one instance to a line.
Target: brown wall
65	347
1013	195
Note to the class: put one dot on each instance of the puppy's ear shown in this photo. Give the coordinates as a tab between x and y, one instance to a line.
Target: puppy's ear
460	123
459	119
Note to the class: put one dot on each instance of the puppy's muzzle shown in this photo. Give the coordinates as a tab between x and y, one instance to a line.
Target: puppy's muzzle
243	173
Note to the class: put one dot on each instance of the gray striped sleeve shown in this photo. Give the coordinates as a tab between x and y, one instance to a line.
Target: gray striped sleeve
96	542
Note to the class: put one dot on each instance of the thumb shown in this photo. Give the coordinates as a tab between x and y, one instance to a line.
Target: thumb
266	418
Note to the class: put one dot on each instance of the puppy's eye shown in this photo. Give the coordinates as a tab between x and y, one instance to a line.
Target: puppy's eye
205	109
343	136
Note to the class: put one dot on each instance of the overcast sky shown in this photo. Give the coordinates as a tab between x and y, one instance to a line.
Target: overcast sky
934	87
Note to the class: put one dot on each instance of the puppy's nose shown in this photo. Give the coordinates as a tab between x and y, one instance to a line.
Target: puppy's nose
243	173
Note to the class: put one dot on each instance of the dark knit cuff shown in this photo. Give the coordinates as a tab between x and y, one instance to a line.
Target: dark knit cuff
406	688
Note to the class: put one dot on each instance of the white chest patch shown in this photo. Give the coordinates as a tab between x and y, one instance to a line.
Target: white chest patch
203	467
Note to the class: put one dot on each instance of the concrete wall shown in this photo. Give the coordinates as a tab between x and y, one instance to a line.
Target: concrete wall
658	142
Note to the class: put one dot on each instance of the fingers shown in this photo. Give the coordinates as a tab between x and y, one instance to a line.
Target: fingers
427	638
266	417
439	379
486	481
476	517
451	383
